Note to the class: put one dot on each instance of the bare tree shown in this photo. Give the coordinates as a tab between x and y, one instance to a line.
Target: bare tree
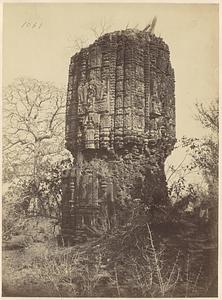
76	44
33	124
101	29
209	116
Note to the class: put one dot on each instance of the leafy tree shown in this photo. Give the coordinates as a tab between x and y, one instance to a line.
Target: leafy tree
196	205
200	154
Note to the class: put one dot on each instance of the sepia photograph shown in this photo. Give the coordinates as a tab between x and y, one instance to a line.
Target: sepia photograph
110	149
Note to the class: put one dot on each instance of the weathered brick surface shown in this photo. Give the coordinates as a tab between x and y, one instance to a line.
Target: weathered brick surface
120	105
121	92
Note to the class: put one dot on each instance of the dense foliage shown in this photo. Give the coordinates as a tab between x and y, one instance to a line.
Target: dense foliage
159	248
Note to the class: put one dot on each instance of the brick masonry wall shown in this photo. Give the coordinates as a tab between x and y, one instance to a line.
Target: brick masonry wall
121	94
121	112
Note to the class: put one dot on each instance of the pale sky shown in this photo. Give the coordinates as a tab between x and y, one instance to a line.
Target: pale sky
43	52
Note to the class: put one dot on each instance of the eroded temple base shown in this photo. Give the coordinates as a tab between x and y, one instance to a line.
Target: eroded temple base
97	193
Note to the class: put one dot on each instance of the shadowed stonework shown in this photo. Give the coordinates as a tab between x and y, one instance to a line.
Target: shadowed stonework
120	128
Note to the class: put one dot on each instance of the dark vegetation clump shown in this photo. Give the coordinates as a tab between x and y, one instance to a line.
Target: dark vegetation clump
159	248
159	251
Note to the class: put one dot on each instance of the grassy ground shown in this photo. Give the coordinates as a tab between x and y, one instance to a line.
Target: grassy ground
43	270
33	265
19	278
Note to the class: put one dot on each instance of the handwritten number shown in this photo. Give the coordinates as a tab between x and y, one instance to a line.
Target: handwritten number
23	24
31	25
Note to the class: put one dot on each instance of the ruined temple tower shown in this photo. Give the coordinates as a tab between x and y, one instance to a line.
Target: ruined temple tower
120	128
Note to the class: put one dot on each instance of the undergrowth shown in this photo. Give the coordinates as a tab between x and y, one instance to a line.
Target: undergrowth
114	267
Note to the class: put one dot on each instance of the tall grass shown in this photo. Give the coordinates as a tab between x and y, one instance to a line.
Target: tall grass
89	270
156	276
69	271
